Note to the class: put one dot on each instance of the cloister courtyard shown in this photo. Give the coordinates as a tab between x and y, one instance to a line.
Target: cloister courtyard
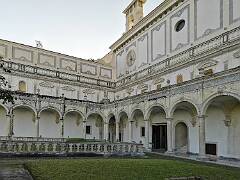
148	167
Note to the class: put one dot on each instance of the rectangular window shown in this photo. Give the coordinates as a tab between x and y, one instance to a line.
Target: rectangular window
225	65
159	86
88	129
179	78
211	149
143	131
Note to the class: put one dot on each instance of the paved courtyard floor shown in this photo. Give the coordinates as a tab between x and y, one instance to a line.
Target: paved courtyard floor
13	171
220	161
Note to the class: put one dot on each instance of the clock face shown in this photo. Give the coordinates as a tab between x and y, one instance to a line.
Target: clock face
131	58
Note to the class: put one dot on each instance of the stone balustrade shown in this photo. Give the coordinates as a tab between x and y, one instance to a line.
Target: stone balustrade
38	71
31	139
53	147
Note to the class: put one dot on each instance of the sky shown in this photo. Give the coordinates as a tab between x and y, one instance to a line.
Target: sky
81	28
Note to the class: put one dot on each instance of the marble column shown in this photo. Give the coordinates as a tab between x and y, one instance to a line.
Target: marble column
169	135
202	135
62	128
130	131
146	134
117	131
106	131
37	125
8	117
84	129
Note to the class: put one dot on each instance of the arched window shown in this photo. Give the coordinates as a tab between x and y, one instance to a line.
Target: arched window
22	87
179	78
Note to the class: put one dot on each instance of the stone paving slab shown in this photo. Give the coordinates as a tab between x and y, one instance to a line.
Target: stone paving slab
10	171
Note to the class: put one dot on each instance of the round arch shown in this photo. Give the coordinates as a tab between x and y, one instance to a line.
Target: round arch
72	124
134	111
74	111
4	107
95	112
25	106
109	116
50	108
95	126
211	98
123	126
152	107
50	124
181	130
24	118
177	103
121	113
222	124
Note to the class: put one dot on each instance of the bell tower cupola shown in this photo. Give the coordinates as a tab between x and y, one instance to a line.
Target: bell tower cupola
134	13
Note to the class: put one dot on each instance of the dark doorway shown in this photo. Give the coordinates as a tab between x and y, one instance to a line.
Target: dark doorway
159	137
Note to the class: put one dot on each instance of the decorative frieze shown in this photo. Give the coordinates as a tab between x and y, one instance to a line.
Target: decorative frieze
46	60
46	84
88	69
68	64
3	50
22	54
68	88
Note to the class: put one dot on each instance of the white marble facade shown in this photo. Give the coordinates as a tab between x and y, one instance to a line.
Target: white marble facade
173	84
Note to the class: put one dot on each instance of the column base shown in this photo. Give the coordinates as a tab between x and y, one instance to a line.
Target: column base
202	157
147	149
169	152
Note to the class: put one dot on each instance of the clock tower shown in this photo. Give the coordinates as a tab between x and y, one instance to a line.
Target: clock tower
134	13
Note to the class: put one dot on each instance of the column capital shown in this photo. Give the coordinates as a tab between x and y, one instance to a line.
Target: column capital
10	115
169	118
201	116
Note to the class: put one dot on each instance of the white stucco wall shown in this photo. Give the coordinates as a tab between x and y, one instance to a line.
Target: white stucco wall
23	123
216	131
48	126
4	124
71	128
193	138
